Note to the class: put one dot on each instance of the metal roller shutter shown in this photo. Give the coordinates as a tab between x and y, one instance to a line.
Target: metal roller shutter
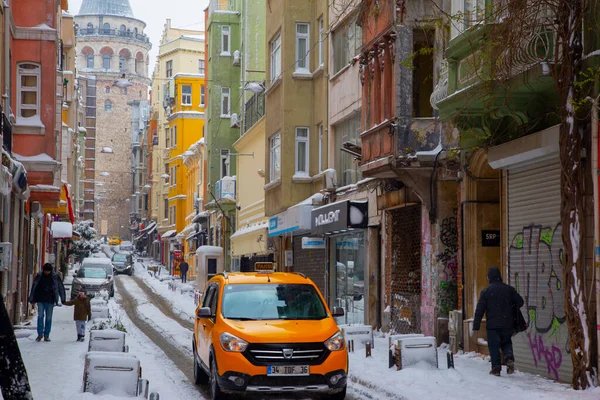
535	269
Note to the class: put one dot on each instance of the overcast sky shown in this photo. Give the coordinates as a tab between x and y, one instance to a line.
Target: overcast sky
183	13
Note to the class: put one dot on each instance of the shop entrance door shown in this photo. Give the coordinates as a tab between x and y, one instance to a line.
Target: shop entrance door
349	267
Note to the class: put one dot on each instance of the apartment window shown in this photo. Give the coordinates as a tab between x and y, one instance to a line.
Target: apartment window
29	90
167	139
346	166
166	208
122	63
186	95
321	148
202	96
302	151
276	58
107	106
275	157
169	69
107	89
225	40
302	43
225	104
347	41
321	38
90	60
174	136
174	177
106	61
201	69
422	86
225	164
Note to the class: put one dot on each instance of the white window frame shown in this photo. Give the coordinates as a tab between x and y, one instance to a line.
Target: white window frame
226	94
321	47
224	156
186	98
275	151
201	66
275	47
306	57
37	73
321	147
202	96
305	140
226	40
169	68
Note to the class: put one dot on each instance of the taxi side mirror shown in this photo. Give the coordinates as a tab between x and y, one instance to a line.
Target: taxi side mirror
204	312
338	312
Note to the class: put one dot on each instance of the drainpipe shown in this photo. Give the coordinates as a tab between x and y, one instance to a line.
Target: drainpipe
462	243
595	184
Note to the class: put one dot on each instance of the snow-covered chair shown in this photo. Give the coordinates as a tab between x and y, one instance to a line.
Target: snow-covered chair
100	312
119	374
98	301
413	350
110	340
187	288
359	334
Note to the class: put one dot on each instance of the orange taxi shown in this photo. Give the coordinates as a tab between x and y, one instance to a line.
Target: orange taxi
268	333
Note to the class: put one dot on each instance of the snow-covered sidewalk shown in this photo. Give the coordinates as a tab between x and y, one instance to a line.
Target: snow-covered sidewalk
55	369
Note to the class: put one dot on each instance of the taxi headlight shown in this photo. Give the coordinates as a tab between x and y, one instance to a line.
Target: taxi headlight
233	343
336	342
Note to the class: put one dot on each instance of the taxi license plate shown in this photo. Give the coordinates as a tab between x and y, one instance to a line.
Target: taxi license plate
288	370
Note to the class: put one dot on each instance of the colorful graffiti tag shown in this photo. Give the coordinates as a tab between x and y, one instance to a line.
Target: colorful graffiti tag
536	271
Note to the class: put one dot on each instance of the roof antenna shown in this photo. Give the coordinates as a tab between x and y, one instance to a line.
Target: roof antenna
268	278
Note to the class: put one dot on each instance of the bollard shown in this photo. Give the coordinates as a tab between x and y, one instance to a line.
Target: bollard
351	346
397	357
368	350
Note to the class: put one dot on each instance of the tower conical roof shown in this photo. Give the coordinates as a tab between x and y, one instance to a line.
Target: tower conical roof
106	7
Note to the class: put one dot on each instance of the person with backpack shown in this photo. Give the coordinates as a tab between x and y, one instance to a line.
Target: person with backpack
500	303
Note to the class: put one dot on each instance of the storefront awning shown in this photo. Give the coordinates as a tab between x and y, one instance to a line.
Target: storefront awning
146	231
250	239
200	217
169	234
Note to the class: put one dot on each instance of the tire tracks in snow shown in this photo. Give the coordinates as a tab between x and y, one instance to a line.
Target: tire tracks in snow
177	355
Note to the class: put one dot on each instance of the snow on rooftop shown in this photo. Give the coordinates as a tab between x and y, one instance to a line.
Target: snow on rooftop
36	158
61	230
250	228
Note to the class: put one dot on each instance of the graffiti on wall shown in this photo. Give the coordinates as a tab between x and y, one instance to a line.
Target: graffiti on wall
448	265
536	271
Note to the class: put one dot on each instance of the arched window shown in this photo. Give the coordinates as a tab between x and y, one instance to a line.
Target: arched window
106	61
108	89
122	30
107	106
90	28
106	28
122	63
90	60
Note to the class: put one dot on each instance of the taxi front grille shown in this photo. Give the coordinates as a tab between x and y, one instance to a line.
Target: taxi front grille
286	353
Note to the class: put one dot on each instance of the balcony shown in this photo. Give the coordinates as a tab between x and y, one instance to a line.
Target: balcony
221	6
254	110
112	32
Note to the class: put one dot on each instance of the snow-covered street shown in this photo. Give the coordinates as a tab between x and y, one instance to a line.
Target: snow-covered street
158	321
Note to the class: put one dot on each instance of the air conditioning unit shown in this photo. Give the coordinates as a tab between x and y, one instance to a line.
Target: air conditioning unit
236	58
330	178
235	121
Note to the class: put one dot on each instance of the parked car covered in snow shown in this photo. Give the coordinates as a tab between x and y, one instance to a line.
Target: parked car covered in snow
91	281
104	263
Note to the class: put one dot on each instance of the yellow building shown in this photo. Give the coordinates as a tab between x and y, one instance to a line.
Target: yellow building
180	51
186	128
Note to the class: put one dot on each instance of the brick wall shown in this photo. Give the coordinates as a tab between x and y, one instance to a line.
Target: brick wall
312	263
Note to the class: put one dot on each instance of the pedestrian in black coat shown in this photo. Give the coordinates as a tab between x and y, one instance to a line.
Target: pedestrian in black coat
46	290
183	270
500	303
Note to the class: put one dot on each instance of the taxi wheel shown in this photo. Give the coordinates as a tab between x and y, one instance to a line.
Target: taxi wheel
215	389
200	376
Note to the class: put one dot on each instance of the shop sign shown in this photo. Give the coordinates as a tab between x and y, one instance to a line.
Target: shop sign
490	238
348	244
340	216
313	243
295	218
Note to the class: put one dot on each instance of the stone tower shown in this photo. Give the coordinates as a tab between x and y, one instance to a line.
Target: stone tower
113	49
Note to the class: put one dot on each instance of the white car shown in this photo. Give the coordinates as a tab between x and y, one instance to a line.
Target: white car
91	281
104	263
126	246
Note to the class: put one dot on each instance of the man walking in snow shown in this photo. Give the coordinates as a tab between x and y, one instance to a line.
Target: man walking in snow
183	269
499	302
46	290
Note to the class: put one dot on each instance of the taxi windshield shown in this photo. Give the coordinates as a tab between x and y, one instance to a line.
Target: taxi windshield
272	302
